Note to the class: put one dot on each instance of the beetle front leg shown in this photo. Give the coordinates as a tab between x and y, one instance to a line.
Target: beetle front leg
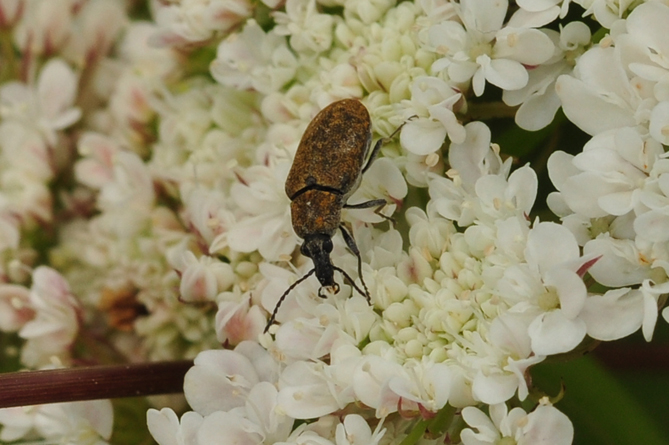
379	144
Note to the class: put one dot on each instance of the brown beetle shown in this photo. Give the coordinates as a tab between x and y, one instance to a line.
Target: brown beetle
327	169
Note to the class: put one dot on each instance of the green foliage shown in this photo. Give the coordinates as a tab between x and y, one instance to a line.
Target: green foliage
130	422
600	407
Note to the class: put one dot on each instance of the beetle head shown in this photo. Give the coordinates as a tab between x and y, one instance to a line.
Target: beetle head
318	247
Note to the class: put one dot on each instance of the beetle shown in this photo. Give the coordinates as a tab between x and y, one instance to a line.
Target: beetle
327	169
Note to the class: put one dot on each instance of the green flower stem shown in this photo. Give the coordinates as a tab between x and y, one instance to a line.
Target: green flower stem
91	383
8	61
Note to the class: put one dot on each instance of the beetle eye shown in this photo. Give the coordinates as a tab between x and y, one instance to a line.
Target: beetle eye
327	245
304	251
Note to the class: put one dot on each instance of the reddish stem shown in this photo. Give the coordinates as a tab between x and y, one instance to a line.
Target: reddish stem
91	383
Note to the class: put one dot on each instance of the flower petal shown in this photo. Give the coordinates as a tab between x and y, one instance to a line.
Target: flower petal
553	333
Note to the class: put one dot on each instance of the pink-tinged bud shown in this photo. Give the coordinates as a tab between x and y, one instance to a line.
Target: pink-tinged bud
10	12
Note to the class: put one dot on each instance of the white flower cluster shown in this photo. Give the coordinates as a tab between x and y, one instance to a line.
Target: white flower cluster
144	162
480	294
61	44
80	423
611	195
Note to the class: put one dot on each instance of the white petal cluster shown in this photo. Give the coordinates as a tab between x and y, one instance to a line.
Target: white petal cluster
466	316
46	315
31	117
480	294
611	194
76	423
193	21
543	425
480	49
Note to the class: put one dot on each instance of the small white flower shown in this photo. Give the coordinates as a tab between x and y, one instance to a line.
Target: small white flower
474	157
128	199
231	373
306	393
45	26
263	222
543	11
231	426
76	423
50	334
9	229
479	189
239	321
203	278
96	27
337	81
370	379
538	100
166	429
309	31
383	180
354	430
368	11
481	49
432	102
620	261
207	212
198	20
545	425
651	293
254	59
600	96
641	44
48	107
16	422
550	287
610	173
15	308
84	423
10	12
426	384
605	12
145	60
659	123
615	314
96	168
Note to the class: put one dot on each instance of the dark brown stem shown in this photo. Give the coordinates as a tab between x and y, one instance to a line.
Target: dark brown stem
91	383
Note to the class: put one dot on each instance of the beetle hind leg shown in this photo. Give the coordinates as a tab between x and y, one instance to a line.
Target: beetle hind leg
378	203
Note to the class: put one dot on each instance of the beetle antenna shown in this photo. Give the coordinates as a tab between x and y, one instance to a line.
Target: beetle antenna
270	322
355	286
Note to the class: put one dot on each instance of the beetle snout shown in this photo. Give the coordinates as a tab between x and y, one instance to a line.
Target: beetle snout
318	248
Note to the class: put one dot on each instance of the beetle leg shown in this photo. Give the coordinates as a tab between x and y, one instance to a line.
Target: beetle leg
355	286
378	203
379	144
367	204
352	246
